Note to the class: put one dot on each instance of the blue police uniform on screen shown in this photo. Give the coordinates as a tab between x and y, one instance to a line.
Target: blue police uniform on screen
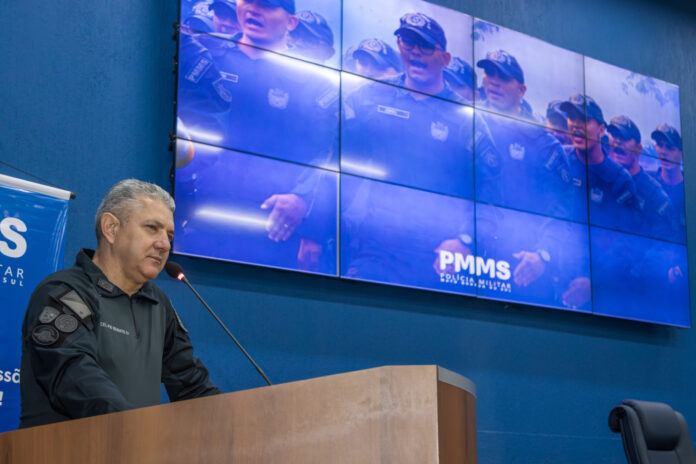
543	255
613	200
201	97
278	106
639	278
420	139
240	207
394	234
625	148
534	174
668	145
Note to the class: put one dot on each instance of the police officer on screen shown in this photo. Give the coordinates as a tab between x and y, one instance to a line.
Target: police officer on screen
612	193
288	97
625	148
313	37
613	200
376	59
668	144
432	139
100	337
534	168
503	85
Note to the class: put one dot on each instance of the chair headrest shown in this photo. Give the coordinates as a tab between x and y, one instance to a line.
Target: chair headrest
659	423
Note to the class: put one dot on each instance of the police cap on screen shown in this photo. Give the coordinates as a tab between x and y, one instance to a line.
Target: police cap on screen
575	106
314	25
227	8
287	5
505	63
199	23
623	128
554	112
425	27
460	72
378	50
666	132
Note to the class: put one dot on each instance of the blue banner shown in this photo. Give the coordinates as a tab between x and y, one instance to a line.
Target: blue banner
32	244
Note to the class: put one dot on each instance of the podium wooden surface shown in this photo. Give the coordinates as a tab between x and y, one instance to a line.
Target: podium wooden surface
392	414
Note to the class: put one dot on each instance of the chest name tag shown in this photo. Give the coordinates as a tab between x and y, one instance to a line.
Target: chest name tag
391	111
229	77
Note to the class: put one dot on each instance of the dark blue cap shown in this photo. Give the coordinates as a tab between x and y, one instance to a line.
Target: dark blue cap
503	62
575	106
287	5
666	132
380	51
623	128
225	6
426	28
555	114
199	23
459	72
315	25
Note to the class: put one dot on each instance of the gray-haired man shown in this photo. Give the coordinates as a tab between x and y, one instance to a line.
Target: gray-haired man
100	337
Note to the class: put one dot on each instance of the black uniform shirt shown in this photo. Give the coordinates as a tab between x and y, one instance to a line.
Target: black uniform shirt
88	348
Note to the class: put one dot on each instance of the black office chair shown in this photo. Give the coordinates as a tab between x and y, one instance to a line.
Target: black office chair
652	433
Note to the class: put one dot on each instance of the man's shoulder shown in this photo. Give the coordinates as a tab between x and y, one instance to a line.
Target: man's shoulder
55	286
650	187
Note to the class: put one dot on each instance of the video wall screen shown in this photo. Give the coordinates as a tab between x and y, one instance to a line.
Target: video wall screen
404	143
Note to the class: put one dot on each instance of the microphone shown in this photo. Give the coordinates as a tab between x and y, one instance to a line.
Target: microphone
176	271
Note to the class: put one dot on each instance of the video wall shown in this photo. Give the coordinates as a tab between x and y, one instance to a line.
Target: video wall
408	144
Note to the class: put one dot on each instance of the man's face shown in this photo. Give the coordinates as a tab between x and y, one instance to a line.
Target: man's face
503	92
142	245
624	152
262	23
423	62
593	130
225	24
670	156
576	127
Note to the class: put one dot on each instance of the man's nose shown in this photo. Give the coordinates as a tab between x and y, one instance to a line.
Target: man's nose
163	242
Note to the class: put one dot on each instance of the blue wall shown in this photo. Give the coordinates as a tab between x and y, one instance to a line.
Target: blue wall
86	99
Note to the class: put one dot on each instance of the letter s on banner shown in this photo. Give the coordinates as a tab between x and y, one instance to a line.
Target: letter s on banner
20	244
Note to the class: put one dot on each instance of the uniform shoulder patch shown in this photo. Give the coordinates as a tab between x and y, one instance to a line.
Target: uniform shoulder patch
72	300
66	323
45	335
48	314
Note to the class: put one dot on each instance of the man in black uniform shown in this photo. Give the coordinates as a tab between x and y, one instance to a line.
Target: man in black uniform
99	337
625	148
668	144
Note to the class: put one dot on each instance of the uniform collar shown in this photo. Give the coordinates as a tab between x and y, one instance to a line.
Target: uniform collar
446	93
103	285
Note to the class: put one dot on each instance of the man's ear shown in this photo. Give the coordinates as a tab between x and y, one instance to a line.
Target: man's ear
522	90
110	225
292	22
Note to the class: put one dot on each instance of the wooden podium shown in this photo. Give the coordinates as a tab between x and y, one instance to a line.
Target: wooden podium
393	414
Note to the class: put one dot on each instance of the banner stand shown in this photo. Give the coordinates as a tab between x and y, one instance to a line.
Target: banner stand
33	220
